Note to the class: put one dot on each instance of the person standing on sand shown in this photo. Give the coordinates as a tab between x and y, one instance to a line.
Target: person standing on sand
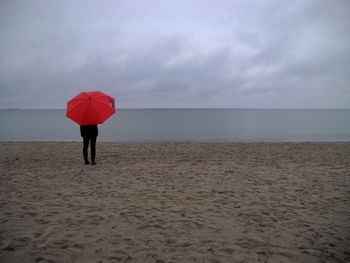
89	134
88	109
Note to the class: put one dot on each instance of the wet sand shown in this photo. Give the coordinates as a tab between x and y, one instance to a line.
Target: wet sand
175	202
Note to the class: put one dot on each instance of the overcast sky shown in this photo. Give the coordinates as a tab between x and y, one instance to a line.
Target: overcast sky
176	54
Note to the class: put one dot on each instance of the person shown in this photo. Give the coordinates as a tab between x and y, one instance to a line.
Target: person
89	134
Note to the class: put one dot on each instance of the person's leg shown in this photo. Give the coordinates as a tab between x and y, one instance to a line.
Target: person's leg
85	149
93	150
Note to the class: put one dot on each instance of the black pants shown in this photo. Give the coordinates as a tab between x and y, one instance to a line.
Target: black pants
92	141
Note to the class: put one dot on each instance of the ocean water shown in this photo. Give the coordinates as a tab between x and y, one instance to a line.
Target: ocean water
183	125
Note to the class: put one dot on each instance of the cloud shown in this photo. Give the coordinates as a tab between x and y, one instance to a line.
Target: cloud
186	54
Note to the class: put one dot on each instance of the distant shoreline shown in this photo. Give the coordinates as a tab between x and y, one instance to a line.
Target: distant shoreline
171	142
9	109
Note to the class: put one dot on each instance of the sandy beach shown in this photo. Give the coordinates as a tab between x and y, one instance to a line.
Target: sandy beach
175	202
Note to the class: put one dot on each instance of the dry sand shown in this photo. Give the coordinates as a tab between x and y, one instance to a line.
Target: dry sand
175	202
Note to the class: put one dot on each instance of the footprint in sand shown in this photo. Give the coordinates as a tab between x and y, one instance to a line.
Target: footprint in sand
7	245
228	250
44	238
119	255
46	260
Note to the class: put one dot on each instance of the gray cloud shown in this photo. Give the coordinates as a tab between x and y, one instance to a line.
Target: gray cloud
180	54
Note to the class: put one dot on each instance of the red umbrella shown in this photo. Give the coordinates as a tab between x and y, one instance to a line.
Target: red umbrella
92	107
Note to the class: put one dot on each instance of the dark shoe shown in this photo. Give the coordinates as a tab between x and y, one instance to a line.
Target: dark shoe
93	163
87	162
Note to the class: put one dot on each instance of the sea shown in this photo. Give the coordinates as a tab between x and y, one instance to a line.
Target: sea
139	125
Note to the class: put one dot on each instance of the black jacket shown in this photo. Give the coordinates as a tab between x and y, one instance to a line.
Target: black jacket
89	131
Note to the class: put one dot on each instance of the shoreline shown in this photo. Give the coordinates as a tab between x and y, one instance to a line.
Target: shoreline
181	141
175	202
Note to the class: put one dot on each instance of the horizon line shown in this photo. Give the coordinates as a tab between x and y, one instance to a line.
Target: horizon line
188	108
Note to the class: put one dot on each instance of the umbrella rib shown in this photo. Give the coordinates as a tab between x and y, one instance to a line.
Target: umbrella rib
76	105
82	115
105	104
97	112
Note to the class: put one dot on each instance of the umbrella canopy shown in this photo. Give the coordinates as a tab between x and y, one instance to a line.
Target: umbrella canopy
93	107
